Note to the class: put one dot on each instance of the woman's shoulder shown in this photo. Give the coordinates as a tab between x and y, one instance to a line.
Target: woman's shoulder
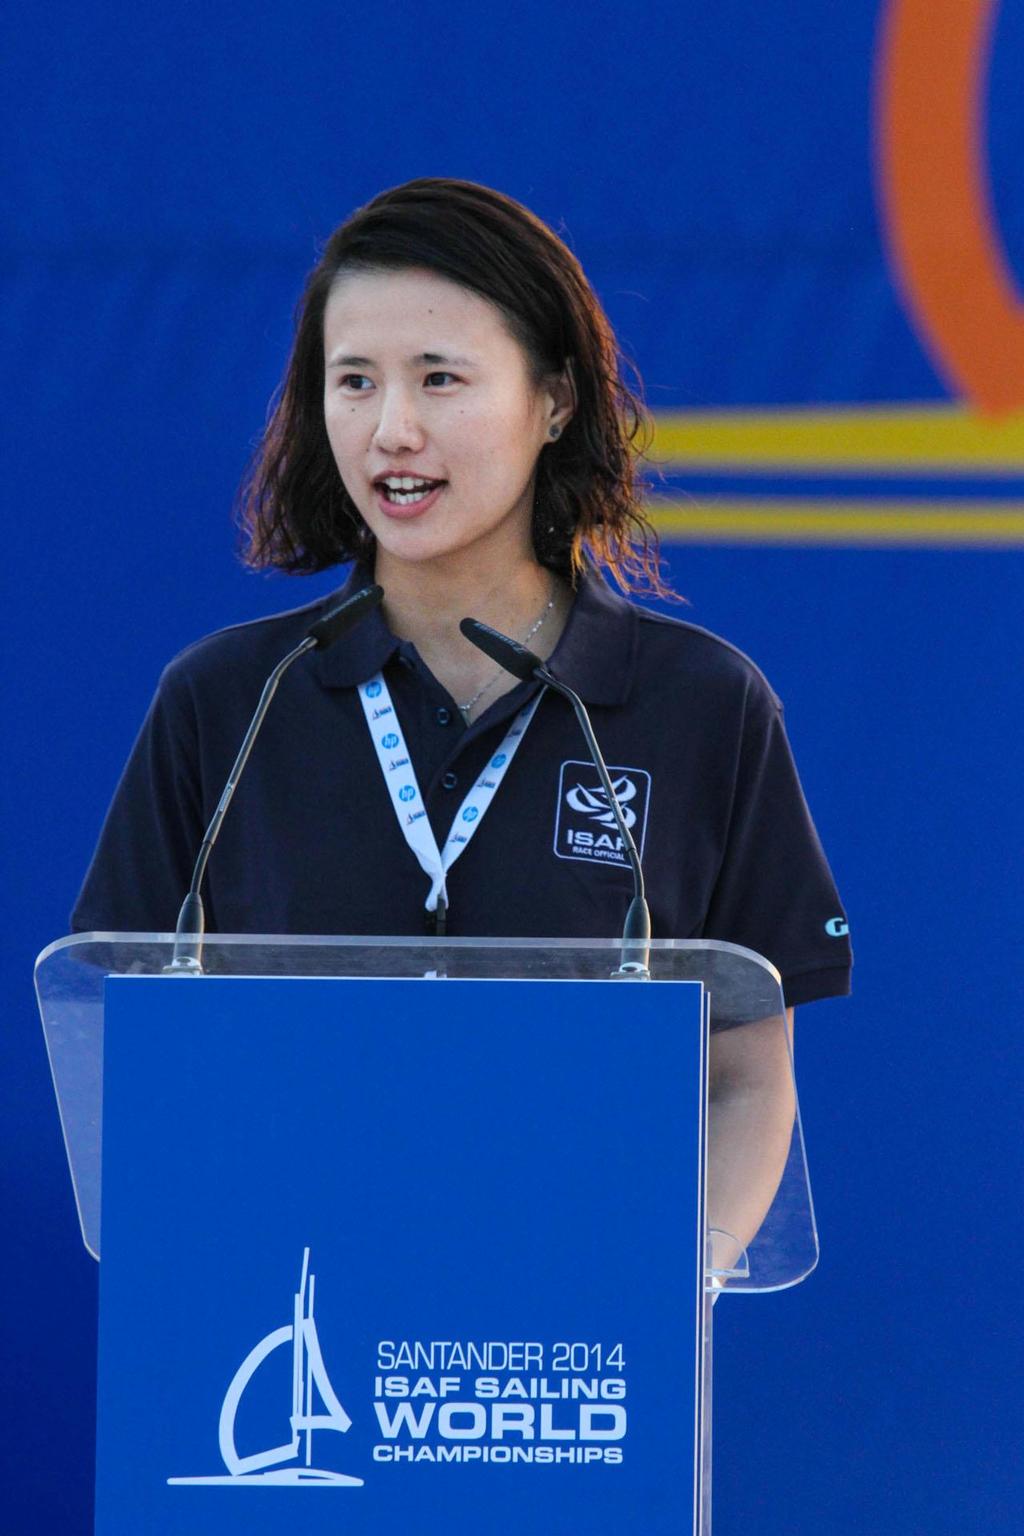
689	650
615	649
253	647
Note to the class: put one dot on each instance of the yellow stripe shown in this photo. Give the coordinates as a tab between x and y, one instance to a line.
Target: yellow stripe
893	438
807	522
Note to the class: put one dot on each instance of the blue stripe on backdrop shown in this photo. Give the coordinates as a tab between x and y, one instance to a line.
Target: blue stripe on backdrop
859	488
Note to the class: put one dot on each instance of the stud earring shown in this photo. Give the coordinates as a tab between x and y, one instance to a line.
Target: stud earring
554	432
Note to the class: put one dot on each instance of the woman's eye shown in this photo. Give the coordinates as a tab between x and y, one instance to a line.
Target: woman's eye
355	381
440	379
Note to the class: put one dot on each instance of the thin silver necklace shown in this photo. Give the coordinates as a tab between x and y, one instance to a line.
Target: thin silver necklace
464	709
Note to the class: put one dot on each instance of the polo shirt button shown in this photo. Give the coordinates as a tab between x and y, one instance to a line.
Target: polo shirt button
443	716
449	781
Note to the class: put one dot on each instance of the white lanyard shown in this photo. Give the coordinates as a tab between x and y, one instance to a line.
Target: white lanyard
400	778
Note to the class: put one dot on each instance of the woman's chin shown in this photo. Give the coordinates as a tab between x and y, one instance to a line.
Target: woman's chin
419	544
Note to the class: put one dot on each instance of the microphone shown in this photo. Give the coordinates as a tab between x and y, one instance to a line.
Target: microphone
524	664
187	959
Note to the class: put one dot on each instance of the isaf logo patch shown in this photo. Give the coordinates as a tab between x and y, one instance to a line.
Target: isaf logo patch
585	825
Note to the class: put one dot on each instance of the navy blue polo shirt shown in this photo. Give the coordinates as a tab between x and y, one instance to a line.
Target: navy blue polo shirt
692	733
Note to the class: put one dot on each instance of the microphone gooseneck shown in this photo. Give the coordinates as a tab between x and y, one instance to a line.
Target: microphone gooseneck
187	959
525	664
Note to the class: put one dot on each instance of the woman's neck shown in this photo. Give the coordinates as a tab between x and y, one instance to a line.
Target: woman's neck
425	601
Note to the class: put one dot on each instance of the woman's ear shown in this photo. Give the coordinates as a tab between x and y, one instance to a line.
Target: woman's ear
561	390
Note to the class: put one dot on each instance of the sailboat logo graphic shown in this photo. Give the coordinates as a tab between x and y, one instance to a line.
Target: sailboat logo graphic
269	1468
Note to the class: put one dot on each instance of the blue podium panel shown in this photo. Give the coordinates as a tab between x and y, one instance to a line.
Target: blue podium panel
396	1255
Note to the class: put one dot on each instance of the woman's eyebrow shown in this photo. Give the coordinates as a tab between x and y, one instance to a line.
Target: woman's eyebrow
433	358
349	360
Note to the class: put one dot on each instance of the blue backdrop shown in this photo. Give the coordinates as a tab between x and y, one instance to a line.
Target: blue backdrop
717	171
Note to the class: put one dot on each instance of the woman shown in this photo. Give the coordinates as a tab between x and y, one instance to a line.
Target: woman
453	418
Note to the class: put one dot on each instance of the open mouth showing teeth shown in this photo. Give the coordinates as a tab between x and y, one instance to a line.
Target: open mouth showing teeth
405	490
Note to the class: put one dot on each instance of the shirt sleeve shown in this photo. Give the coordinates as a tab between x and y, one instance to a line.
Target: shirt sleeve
774	892
143	861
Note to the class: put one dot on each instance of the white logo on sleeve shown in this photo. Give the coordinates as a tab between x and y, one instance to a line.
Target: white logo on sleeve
269	1467
585	825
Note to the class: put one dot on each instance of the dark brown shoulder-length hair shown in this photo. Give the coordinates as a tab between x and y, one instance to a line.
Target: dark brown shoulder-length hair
295	512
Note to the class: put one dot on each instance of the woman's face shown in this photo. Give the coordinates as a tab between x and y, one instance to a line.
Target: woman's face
432	417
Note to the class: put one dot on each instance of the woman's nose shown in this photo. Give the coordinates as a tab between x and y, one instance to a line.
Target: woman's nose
398	425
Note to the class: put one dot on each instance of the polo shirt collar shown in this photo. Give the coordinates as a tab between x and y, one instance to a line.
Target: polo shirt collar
596	654
365	650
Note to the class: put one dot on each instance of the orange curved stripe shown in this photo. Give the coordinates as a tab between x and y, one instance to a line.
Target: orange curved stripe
937	206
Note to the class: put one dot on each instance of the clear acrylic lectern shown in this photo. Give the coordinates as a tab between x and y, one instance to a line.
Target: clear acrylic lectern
734	1014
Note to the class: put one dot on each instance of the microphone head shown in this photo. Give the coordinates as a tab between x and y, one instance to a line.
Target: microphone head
339	619
515	658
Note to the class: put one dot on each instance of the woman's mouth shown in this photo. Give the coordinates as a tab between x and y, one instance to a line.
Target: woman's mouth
406	495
